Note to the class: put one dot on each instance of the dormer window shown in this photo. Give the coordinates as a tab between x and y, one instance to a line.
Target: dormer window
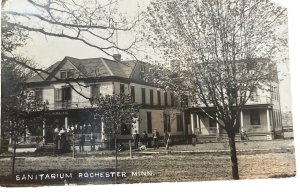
66	74
63	74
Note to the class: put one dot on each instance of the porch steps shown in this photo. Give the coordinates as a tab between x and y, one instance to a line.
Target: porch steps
214	139
46	148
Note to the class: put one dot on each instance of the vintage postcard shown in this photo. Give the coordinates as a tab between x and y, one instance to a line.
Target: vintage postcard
144	91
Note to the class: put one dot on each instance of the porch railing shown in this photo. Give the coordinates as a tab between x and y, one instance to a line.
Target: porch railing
68	105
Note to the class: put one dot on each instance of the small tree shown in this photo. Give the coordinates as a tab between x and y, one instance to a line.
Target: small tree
115	110
18	118
219	46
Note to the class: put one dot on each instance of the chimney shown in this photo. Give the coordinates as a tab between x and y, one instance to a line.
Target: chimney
117	57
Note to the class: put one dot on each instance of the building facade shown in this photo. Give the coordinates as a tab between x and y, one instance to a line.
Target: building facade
260	118
68	85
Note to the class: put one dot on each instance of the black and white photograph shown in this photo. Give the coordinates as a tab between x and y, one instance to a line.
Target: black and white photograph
105	92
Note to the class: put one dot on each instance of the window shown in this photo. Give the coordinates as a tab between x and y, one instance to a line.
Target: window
166	98
63	74
179	122
38	94
184	100
254	117
67	74
66	93
133	93
158	98
122	88
141	75
212	123
149	122
62	97
172	100
254	95
143	68
167	123
151	97
143	96
95	90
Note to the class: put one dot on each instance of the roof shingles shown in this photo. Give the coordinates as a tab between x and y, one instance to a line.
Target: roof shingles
93	67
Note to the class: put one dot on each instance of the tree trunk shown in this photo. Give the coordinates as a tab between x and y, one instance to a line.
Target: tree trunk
13	158
116	158
233	156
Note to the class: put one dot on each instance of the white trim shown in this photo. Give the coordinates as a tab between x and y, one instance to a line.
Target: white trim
268	120
192	123
242	121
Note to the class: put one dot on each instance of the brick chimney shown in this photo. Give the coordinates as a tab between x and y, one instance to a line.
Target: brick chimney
117	57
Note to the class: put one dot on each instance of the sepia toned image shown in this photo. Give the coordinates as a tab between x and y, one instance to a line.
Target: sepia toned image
144	91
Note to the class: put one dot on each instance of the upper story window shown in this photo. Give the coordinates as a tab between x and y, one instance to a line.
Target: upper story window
166	98
36	94
62	97
132	91
158	98
151	97
254	95
122	88
172	99
143	96
95	90
66	74
184	100
143	68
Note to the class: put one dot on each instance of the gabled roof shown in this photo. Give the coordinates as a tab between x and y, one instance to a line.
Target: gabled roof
92	67
43	76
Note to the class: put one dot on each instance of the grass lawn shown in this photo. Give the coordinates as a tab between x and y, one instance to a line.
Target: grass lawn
159	167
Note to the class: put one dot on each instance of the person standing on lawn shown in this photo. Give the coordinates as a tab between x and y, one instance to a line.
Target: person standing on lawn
81	142
145	138
155	138
136	139
93	141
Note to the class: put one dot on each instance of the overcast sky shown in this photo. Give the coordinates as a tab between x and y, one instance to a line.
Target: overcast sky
47	50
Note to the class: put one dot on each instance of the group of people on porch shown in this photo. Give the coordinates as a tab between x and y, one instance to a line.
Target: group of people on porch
62	137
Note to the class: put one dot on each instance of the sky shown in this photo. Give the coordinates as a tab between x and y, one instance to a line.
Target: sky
47	50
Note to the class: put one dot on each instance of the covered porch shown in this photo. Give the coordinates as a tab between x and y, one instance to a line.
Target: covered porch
257	122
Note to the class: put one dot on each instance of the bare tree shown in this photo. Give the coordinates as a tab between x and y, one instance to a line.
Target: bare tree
224	50
94	23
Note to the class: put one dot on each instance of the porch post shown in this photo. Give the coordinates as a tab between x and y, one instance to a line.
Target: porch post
268	120
242	121
184	125
192	123
44	132
198	122
218	128
102	131
10	133
66	122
